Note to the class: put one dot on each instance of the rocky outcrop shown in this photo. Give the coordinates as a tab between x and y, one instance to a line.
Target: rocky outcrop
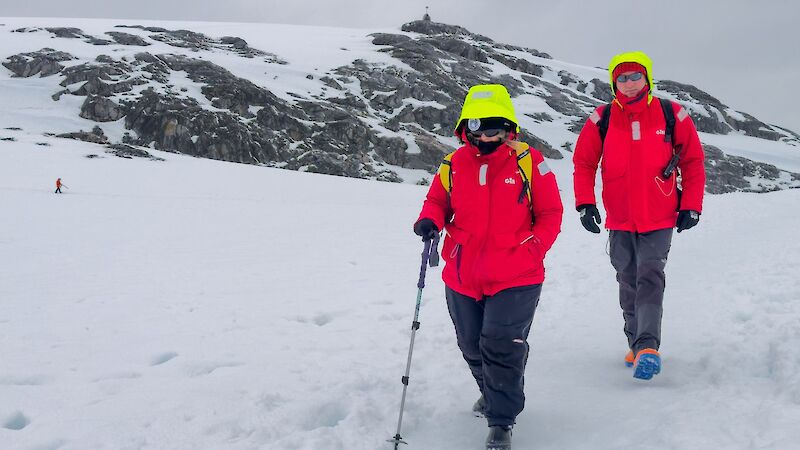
101	109
435	28
76	33
128	152
601	90
96	136
365	119
44	62
727	173
709	119
128	39
198	41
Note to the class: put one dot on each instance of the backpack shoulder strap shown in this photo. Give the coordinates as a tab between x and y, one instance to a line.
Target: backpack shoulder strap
669	117
525	164
445	175
602	125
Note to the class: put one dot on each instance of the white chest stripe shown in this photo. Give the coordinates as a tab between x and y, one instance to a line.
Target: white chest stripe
636	129
544	169
482	175
682	114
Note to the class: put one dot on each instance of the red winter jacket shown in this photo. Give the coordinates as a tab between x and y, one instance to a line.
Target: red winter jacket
490	244
635	195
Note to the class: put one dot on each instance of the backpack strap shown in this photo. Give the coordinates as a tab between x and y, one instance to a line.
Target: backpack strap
602	124
669	117
525	166
445	174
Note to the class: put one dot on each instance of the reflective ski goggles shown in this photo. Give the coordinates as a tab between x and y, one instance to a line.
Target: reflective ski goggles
492	132
635	76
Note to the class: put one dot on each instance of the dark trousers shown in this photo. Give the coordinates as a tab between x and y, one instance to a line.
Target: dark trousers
492	335
639	259
58	190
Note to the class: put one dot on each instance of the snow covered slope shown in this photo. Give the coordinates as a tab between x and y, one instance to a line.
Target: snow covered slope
378	104
197	304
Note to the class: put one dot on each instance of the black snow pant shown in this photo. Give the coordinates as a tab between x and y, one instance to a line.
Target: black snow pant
639	259
492	335
58	190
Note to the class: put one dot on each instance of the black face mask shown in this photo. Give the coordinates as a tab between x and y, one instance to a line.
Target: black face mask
488	147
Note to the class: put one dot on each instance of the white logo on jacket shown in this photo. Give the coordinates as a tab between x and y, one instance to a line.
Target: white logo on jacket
511	180
661	132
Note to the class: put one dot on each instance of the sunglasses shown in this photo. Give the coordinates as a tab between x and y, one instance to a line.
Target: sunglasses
635	76
492	132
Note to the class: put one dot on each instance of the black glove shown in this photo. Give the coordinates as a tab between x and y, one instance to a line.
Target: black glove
426	228
687	218
590	217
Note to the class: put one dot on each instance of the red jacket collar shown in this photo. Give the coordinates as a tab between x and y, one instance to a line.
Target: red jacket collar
637	103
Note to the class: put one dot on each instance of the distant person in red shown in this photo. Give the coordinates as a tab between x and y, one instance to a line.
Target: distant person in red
58	186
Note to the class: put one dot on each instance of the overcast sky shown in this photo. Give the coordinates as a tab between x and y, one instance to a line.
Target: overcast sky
742	52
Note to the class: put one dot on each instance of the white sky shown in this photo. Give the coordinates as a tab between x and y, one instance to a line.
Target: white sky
741	51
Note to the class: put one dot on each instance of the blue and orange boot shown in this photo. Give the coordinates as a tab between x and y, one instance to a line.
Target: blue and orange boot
629	359
646	364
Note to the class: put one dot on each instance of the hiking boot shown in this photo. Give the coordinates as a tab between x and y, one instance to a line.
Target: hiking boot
499	438
479	408
646	364
629	359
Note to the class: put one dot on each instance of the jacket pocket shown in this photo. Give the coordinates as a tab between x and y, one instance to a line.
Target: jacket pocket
453	249
662	198
533	244
510	256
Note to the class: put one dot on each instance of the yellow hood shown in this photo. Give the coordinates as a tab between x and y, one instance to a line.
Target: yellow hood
636	57
487	100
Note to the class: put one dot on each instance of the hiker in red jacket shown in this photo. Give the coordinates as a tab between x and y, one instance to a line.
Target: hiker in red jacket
58	186
499	203
642	159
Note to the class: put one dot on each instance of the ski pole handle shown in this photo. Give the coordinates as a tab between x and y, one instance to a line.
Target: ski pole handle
430	255
422	268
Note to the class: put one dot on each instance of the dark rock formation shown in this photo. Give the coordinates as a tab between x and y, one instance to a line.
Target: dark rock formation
365	118
127	38
727	173
76	33
44	62
128	152
101	109
96	136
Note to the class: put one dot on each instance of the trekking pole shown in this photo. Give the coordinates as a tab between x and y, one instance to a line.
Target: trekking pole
429	255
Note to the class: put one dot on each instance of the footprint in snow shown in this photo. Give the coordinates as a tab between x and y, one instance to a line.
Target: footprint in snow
16	421
318	320
161	358
326	416
200	369
270	402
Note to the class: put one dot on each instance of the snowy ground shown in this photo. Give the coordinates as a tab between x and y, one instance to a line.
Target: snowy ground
194	304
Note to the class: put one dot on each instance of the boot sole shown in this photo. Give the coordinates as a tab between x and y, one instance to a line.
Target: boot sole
647	366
